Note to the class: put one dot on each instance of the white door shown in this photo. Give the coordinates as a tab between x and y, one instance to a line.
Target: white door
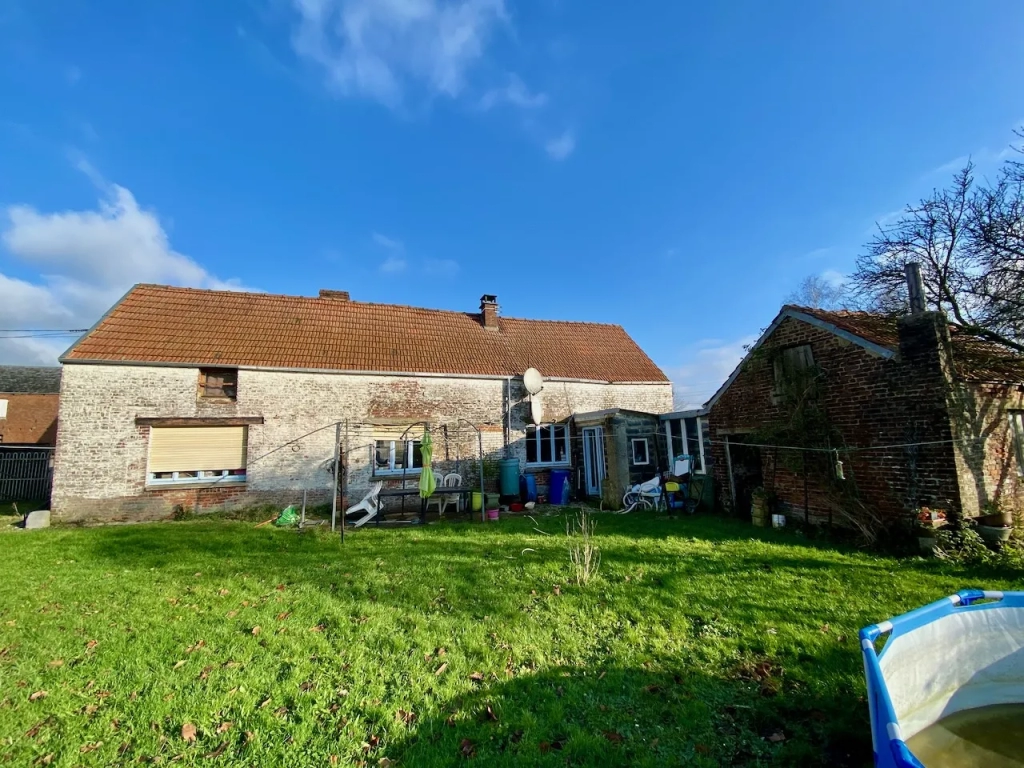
593	459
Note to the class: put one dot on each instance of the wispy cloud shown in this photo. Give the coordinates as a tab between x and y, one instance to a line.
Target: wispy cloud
560	147
393	265
516	93
387	242
381	49
83	261
441	267
711	362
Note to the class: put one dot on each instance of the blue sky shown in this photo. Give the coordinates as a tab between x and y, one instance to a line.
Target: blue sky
674	167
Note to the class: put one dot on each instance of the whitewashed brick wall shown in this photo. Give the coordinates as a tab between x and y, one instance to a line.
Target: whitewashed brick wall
101	453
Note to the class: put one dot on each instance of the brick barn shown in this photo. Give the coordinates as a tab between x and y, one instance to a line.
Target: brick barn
28	405
210	399
920	415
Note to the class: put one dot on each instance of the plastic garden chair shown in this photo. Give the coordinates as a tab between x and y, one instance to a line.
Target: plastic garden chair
370	505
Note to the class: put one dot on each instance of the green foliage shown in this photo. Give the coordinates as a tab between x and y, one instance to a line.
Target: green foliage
962	545
707	644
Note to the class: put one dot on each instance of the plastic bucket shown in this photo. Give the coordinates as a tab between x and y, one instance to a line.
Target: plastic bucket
492	514
477	501
528	487
558	493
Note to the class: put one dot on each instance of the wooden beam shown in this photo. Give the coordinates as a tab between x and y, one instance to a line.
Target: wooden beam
199	421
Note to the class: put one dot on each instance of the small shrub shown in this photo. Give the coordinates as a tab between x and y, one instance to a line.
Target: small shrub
964	546
584	554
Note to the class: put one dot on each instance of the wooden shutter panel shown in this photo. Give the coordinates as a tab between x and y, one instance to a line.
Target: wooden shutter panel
184	449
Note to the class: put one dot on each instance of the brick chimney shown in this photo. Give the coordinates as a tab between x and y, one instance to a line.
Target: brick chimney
327	293
924	335
489	311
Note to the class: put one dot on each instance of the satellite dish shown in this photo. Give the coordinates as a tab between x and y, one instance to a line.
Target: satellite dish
536	410
533	381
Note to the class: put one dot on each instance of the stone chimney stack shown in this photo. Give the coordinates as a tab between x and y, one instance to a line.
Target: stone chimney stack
915	287
328	293
489	311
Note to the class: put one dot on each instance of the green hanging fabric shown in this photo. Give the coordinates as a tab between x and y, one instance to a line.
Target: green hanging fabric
427	480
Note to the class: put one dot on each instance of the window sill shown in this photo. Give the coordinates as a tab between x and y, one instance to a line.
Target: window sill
218	400
186	484
398	472
542	467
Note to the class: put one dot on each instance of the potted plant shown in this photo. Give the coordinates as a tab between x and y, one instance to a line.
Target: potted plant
928	522
761	507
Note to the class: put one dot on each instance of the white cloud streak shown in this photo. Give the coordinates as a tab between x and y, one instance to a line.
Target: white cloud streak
379	49
393	265
560	147
387	242
516	93
712	362
85	260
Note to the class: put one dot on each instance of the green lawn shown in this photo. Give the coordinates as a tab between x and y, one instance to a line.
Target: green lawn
701	642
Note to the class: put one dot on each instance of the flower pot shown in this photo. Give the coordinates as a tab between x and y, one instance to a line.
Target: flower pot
992	534
492	514
927	544
997	519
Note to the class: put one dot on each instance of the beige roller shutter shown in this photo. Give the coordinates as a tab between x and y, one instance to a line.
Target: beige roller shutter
184	449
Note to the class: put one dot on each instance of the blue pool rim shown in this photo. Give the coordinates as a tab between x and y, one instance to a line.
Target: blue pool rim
887	739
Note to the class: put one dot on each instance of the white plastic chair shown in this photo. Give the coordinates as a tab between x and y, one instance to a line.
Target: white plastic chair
451	480
646	496
370	504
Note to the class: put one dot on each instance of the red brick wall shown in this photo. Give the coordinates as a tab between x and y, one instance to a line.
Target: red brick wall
870	402
31	419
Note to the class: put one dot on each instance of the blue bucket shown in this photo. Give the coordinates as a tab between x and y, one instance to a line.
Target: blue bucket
558	493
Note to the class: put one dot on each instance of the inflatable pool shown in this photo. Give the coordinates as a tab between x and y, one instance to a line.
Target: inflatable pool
947	686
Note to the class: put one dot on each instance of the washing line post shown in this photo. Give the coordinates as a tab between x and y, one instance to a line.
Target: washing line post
480	461
337	472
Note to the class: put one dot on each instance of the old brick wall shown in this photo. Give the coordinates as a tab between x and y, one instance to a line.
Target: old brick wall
101	455
987	462
31	419
871	402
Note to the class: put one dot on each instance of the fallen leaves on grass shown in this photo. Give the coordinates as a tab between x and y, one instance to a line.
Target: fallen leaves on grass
489	713
467	748
196	647
38	695
613	736
440	670
223	592
477	677
777	737
56	663
256	630
188	732
557	589
406	717
265	702
179	664
91	644
283	615
90	747
231	614
219	750
225	726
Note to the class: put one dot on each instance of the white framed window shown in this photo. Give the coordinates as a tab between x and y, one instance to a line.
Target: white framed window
684	437
396	456
182	455
547	444
1017	427
641	451
3	409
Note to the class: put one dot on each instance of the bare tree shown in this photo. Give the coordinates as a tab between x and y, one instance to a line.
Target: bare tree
817	292
969	241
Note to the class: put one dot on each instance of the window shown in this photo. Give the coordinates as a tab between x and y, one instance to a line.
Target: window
3	409
1017	425
548	444
196	455
640	452
683	438
396	456
788	364
218	383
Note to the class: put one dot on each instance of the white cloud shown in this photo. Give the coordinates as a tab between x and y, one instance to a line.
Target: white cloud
712	362
835	278
562	146
379	49
441	267
387	242
516	93
85	261
393	265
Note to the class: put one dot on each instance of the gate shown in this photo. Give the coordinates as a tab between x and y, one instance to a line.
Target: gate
26	475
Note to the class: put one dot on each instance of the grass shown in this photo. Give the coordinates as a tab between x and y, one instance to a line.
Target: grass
701	642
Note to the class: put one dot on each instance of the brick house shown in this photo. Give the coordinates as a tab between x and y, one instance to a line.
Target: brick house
922	416
29	399
203	399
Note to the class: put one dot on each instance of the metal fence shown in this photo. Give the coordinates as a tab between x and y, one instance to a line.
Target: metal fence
25	475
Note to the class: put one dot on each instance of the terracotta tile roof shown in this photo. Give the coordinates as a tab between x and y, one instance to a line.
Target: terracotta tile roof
160	324
974	359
